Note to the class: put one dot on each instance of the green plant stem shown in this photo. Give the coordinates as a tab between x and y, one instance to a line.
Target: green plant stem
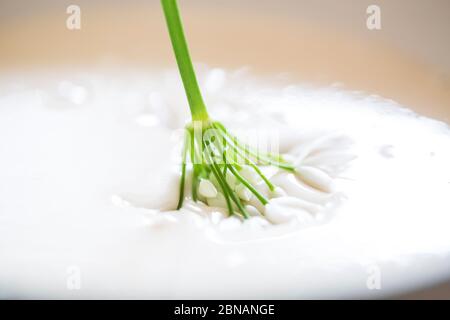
195	146
253	165
183	171
247	184
180	48
255	154
228	192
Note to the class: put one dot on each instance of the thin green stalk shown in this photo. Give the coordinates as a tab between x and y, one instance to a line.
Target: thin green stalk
257	170
224	185
257	155
244	181
191	143
253	165
194	96
231	193
194	184
183	171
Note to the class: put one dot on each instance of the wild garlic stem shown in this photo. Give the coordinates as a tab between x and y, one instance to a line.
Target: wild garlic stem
217	158
183	171
180	48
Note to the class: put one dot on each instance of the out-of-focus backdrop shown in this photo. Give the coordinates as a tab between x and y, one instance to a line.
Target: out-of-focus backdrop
321	42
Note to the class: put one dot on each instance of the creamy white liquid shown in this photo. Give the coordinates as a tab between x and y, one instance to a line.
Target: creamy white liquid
87	157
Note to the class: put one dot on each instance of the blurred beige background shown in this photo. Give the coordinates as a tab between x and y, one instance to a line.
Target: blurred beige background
321	41
417	26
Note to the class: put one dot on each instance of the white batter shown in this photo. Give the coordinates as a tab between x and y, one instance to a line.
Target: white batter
87	159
